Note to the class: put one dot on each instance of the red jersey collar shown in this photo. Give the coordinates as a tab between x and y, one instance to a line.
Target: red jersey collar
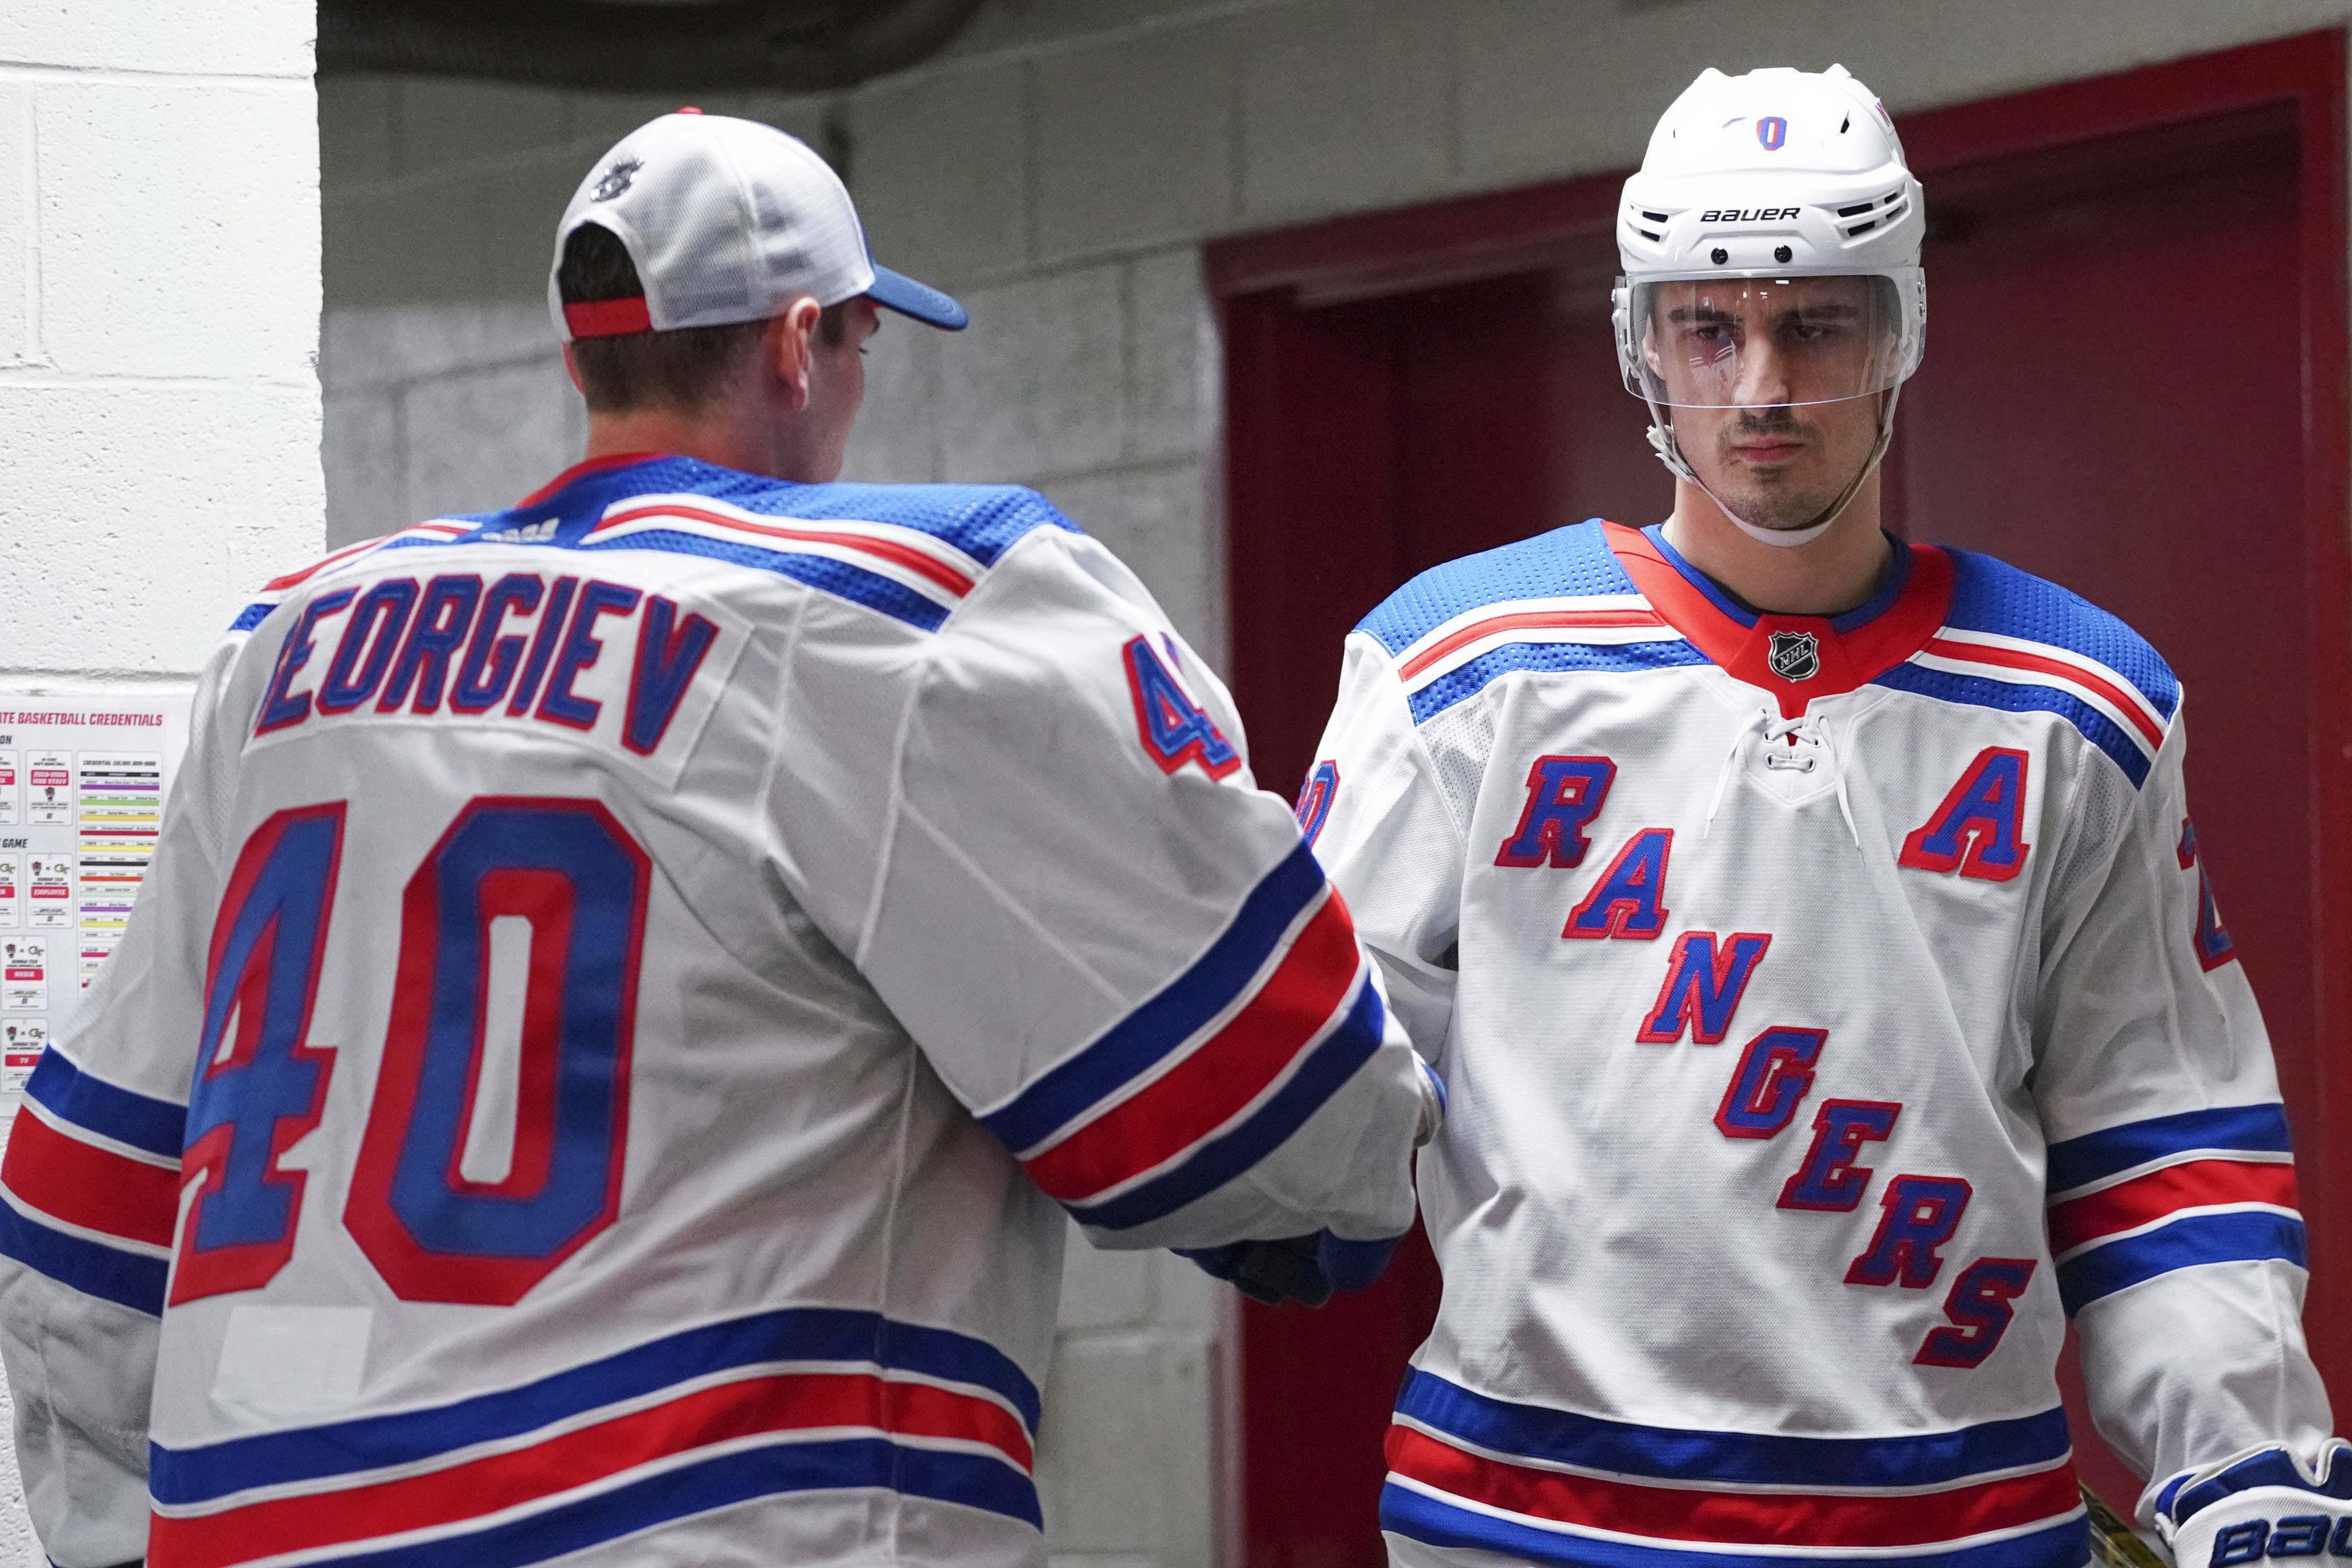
1833	663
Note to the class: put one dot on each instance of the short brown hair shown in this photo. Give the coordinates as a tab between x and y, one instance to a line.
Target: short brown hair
683	370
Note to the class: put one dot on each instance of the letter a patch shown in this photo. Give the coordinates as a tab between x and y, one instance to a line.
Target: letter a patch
1980	829
1629	899
1175	728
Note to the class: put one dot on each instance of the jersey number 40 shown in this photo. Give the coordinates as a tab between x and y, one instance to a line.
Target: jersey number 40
436	1225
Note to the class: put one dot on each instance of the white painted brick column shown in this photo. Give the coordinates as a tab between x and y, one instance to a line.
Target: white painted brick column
159	307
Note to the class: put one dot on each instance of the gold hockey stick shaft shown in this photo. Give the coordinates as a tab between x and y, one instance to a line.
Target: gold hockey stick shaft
2114	1545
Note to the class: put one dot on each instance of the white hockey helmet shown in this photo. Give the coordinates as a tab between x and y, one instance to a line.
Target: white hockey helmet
1752	185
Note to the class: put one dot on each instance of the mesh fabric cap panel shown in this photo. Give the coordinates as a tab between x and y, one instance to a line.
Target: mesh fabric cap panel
1562	564
1989	595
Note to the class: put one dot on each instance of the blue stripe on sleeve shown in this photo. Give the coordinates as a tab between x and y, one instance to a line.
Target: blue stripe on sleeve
1462	683
1331	1064
2012	696
2247	1236
2254	1129
1570	562
128	1279
1927	1459
155	1125
838	577
804	1333
1990	595
249	617
1134	1044
1425	1518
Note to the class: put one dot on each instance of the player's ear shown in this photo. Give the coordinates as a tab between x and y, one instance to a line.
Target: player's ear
573	370
787	345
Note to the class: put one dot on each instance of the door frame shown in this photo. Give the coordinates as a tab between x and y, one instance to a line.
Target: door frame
1254	280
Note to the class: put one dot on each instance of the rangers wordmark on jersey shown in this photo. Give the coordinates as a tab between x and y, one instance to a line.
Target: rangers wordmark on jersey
1829	1008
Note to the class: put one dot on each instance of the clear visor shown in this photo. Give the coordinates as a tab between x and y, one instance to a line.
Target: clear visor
1762	342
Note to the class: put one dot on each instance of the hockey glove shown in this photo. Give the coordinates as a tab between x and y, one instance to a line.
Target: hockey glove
1304	1269
2259	1504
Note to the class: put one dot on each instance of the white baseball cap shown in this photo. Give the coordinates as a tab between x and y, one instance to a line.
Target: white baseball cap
726	220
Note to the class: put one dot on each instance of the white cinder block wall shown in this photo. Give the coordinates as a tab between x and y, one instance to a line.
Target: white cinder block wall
1058	167
159	298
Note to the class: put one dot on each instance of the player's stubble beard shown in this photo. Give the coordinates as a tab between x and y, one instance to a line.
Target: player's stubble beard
1779	496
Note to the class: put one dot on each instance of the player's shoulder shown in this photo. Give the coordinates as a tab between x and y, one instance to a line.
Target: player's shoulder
1567	563
980	522
273	592
910	552
2007	608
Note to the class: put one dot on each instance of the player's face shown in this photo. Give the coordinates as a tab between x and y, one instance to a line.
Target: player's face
837	384
1774	387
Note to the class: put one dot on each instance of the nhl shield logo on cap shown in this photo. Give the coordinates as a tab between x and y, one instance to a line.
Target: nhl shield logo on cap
1794	656
616	178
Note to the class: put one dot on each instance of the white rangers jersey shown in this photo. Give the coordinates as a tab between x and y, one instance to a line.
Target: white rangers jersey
629	988
1828	1008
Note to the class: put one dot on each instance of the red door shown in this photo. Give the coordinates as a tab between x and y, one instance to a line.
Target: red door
2134	385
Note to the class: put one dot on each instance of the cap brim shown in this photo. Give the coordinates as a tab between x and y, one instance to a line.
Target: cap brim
920	300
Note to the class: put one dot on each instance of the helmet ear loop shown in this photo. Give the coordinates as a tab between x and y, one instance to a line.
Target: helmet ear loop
1670	453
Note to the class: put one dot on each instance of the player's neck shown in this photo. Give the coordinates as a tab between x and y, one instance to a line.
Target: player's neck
1831	574
720	434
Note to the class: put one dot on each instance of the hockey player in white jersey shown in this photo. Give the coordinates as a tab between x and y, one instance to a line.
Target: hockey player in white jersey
631	984
1810	931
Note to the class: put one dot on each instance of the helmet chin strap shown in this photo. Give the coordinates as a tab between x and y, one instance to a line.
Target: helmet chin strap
1662	437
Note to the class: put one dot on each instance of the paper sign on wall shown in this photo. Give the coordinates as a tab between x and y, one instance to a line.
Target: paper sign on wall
82	783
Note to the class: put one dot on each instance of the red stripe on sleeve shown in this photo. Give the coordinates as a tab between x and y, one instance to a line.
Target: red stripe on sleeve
706	1416
925	567
2131	705
95	1189
1530	620
1729	1518
1228	1070
2143	1200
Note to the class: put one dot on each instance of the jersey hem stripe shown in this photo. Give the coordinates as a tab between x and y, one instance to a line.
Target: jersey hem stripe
208	1473
682	1492
1624	1447
752	1412
1419	1513
1646	1512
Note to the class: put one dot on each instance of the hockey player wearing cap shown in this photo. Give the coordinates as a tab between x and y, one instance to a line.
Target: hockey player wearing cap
632	984
1810	929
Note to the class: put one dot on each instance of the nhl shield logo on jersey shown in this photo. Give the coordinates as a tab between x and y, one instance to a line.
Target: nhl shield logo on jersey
1795	655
